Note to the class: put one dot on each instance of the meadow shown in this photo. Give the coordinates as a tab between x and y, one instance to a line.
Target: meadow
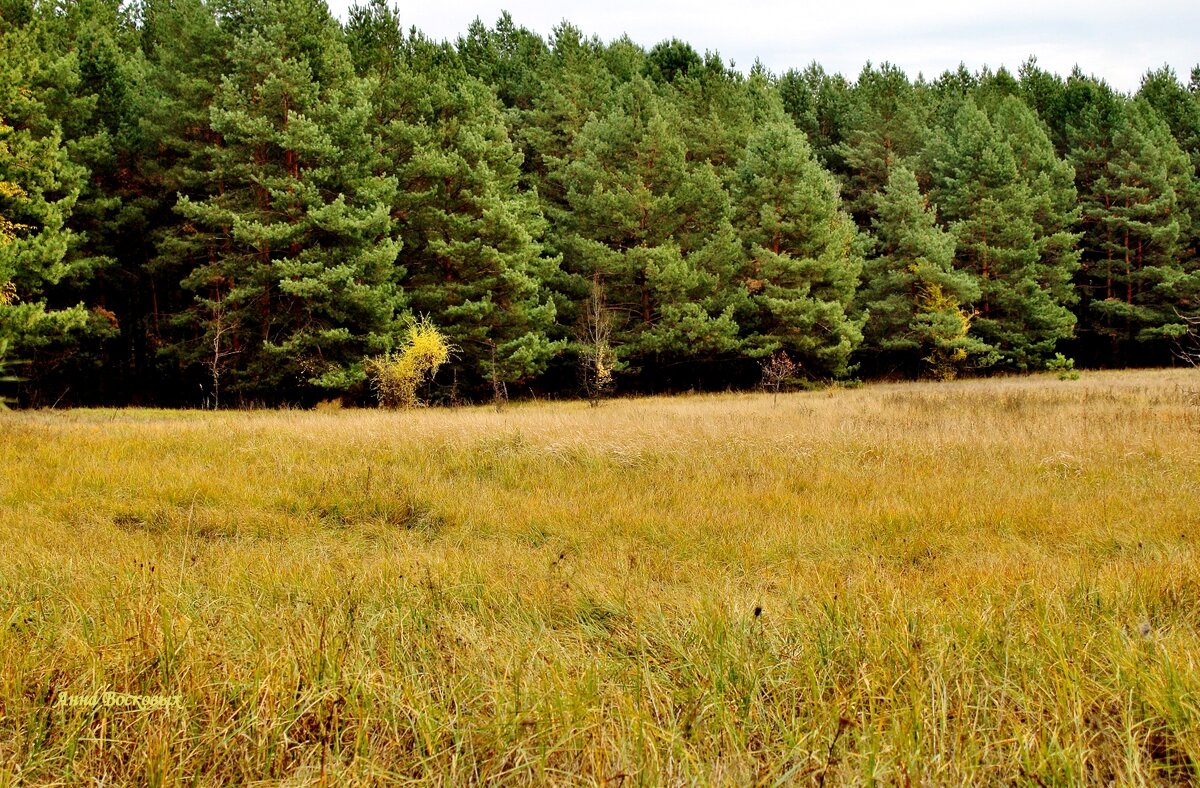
987	581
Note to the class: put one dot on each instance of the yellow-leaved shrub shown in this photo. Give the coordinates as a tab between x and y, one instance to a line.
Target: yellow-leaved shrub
397	376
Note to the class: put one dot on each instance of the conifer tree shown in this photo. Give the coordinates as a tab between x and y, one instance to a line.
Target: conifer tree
987	205
670	60
1050	184
1139	276
652	228
1093	112
917	321
1179	108
291	253
574	81
473	254
804	254
821	106
185	54
101	115
505	57
887	128
1046	94
475	257
719	109
39	189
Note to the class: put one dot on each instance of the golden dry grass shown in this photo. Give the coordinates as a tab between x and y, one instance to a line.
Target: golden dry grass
987	582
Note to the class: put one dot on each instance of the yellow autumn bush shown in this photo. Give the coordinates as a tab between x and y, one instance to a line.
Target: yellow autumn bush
396	376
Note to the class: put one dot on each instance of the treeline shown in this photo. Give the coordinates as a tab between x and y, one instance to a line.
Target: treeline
249	195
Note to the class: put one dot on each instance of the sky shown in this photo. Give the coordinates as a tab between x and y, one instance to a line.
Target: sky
1118	41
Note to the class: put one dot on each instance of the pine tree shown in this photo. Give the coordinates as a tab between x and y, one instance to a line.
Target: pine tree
804	254
1045	93
986	203
652	228
39	189
473	254
886	129
719	109
291	253
1179	108
671	60
1050	184
913	296
1139	277
185	54
1092	113
101	116
574	81
506	58
821	106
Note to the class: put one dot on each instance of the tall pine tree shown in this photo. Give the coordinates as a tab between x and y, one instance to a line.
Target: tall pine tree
290	254
473	255
913	296
652	228
987	204
1139	277
39	189
886	128
804	254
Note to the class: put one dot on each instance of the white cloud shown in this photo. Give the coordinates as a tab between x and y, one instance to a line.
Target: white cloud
1118	41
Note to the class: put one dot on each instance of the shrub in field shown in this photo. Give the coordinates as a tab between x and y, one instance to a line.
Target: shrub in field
396	376
946	328
1065	367
778	371
597	356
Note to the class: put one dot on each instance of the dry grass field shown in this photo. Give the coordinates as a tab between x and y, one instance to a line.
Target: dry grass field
981	582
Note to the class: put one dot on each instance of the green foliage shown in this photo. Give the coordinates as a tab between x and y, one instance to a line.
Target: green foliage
473	239
803	254
885	128
42	267
912	294
39	184
820	105
397	376
1139	273
292	238
248	197
1065	367
672	60
1009	242
655	229
504	57
12	192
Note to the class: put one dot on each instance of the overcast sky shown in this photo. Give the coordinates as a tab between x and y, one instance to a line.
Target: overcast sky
1118	41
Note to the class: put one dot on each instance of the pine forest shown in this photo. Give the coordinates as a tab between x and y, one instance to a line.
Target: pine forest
251	202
